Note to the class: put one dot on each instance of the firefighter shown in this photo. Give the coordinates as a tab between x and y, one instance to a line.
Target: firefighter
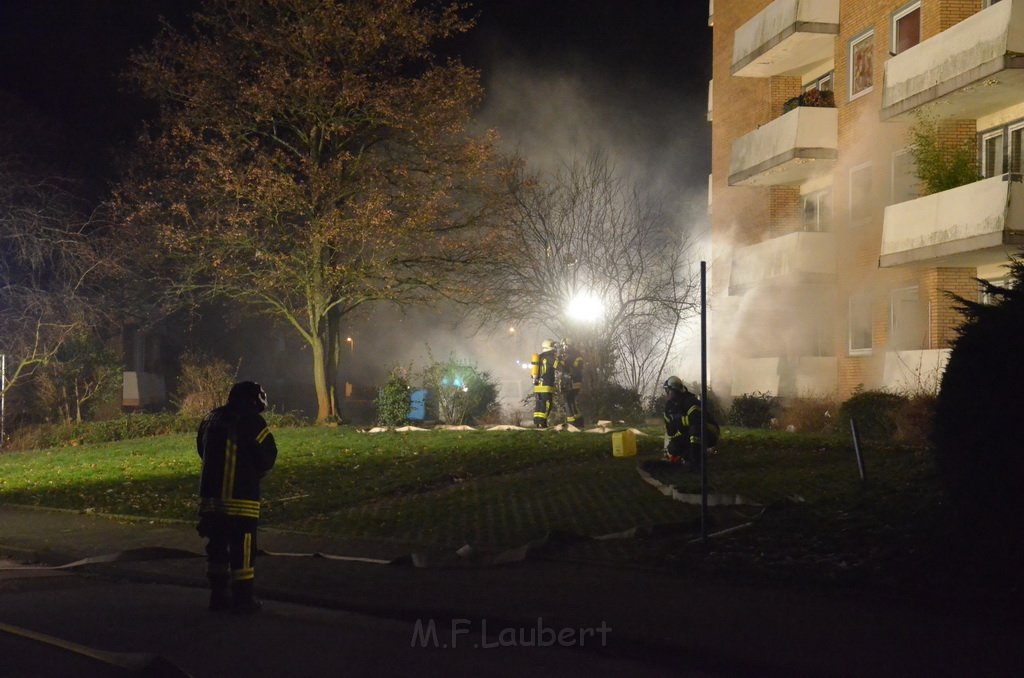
237	450
572	366
545	370
682	425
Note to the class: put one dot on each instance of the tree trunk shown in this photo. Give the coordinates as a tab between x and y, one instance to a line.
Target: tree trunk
324	411
333	348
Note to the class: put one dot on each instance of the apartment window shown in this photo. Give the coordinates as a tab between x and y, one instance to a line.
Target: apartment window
817	212
862	64
908	320
822	84
860	325
905	183
1016	144
906	28
860	194
992	159
986	297
989	3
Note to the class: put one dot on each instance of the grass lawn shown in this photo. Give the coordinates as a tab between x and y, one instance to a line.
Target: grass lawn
814	519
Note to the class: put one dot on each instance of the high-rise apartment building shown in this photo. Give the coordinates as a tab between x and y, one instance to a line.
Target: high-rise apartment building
831	261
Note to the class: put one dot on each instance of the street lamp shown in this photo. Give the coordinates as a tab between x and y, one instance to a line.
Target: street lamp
351	345
585	307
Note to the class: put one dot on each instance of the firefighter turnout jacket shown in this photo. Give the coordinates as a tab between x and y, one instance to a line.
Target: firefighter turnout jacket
548	366
682	418
237	450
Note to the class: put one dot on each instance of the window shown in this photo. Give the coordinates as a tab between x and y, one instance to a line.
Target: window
989	3
908	320
860	325
860	194
822	84
862	64
1016	144
992	154
906	28
986	297
905	184
817	211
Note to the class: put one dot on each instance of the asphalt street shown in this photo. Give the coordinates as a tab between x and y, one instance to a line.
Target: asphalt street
372	611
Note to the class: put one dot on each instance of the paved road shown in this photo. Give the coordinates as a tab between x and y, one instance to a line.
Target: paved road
97	626
327	617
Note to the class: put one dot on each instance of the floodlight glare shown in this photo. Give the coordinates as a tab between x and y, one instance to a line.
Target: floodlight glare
585	307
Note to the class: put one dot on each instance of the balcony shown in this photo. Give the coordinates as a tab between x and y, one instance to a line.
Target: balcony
809	377
791	149
789	37
969	226
968	71
914	371
796	258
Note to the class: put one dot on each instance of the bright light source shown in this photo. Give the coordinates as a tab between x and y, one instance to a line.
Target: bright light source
585	307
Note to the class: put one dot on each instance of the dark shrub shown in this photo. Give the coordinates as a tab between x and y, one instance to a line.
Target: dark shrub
916	419
977	433
754	410
877	414
809	415
612	402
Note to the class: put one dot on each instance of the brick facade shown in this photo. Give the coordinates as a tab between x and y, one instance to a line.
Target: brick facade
866	147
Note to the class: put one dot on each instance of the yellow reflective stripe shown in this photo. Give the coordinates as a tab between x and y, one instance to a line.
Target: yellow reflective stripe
263	435
244	574
228	484
243	508
247	551
543	389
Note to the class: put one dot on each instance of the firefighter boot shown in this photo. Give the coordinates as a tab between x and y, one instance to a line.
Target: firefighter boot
242	599
220	593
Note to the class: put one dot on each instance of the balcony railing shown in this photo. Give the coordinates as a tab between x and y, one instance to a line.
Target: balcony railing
970	70
789	37
914	371
973	225
794	258
791	149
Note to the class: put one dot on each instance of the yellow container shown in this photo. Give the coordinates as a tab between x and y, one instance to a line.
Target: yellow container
624	444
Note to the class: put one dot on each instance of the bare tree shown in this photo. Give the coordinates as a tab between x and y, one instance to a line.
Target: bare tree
47	269
588	236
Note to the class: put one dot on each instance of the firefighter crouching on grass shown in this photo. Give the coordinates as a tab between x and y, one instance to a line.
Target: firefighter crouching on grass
237	450
682	425
544	369
572	365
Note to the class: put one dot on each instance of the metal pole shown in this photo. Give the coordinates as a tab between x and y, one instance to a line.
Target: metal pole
3	397
703	401
856	448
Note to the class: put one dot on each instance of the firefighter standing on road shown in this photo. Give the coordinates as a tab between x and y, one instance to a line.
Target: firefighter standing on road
544	369
237	450
572	365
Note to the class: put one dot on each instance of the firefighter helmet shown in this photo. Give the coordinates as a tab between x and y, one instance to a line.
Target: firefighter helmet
547	345
674	383
248	393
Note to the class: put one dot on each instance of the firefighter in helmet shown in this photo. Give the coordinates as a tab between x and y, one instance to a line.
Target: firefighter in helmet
544	369
572	366
682	424
237	450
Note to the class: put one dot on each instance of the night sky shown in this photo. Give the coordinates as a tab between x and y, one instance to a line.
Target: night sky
639	68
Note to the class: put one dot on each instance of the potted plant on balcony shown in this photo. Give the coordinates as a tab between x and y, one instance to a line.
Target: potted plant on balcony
812	98
941	166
